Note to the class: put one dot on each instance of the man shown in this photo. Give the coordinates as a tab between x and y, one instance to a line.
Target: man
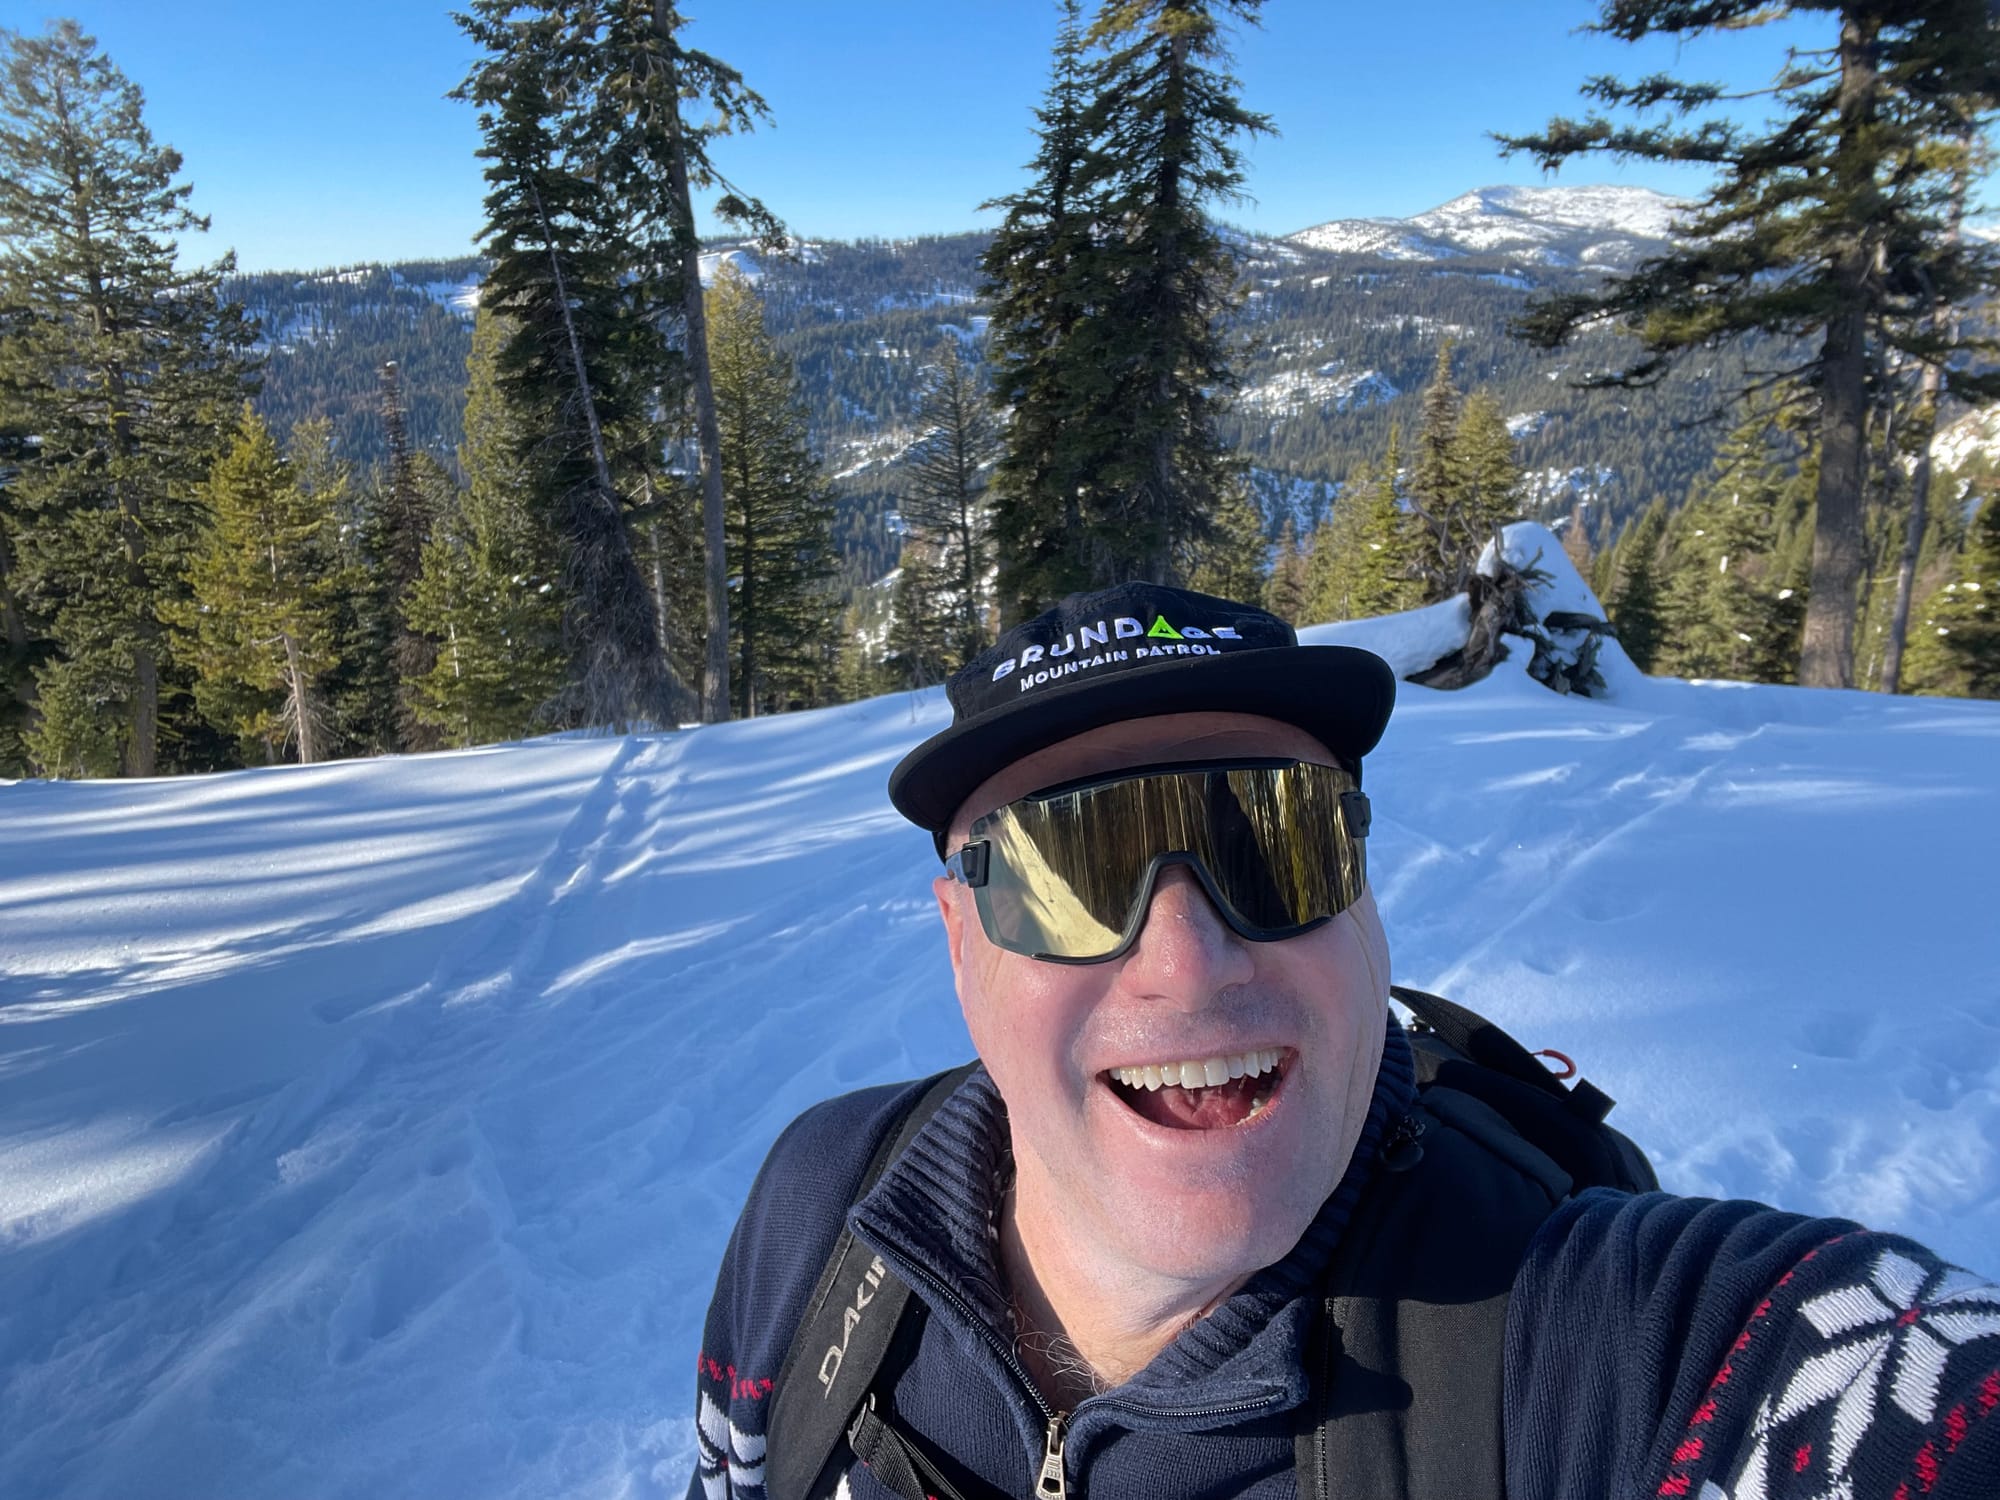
1189	1230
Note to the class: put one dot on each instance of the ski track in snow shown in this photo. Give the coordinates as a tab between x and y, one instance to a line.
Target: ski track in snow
376	1128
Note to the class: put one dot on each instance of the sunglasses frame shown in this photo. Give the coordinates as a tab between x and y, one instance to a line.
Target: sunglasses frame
968	865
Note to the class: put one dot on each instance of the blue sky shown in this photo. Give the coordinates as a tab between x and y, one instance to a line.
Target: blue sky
319	135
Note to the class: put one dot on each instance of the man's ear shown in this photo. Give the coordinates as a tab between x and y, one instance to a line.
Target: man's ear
945	889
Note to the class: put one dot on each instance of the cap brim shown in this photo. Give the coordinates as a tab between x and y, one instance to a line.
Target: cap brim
1341	695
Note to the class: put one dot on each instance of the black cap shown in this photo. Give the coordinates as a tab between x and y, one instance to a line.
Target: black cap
1130	652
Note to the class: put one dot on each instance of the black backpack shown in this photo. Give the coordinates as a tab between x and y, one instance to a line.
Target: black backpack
1421	1276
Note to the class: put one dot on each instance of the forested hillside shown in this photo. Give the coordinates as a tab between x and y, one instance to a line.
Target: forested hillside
1335	349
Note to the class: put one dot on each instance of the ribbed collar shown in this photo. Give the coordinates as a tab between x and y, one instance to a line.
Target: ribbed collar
931	1218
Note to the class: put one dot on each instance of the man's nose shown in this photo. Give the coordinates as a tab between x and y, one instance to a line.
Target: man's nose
1186	953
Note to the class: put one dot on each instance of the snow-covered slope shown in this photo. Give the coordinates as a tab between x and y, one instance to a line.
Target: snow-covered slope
374	1128
1603	226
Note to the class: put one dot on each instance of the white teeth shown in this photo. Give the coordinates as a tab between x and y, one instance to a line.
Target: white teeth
1203	1074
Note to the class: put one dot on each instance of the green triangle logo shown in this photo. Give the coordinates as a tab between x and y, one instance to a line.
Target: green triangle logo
1162	630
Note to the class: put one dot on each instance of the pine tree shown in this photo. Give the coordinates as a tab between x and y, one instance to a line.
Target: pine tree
128	369
652	157
1489	473
1827	223
1728	614
1166	120
1633	599
783	618
1230	562
1362	562
1922	427
582	362
1287	594
23	638
1436	486
1465	483
485	599
406	515
918	649
259	627
1963	618
1043	276
864	630
944	512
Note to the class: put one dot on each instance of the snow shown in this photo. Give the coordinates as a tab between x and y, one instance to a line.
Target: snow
967	336
1291	391
1976	434
936	297
1389	238
374	1128
1545	489
1539	224
461	297
1524	422
741	261
1502	217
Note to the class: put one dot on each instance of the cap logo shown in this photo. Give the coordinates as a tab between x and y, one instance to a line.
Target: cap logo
1101	634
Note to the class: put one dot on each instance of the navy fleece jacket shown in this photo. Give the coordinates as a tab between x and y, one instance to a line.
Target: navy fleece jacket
1656	1346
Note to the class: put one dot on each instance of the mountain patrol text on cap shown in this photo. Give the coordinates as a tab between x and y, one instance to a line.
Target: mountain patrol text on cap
1129	652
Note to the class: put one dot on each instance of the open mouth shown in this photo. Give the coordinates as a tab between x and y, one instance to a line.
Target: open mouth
1212	1093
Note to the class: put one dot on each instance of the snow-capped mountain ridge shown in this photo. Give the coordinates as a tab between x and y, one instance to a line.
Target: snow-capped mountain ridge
1598	225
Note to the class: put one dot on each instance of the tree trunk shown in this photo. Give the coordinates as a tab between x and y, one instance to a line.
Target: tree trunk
1827	657
715	667
142	751
584	396
659	582
1920	473
302	707
1913	531
746	688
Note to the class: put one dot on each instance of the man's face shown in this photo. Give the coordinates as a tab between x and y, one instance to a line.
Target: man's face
1175	1201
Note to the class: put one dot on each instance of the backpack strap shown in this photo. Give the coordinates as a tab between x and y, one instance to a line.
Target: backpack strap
1405	1356
845	1337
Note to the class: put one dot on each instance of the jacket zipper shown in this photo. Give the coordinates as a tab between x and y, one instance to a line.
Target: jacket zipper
1051	1485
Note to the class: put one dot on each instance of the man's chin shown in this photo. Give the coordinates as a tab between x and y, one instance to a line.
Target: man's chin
1202	1203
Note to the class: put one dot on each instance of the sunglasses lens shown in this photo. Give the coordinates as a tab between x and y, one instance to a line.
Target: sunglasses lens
1068	870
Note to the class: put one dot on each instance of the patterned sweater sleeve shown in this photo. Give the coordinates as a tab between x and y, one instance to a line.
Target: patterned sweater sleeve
795	1211
1676	1347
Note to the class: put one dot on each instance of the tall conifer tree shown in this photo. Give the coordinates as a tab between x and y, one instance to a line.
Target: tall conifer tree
653	155
1730	613
1962	619
1043	276
1826	225
1633	597
127	368
944	509
1361	557
581	367
259	624
1167	120
406	512
1229	562
783	620
486	597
